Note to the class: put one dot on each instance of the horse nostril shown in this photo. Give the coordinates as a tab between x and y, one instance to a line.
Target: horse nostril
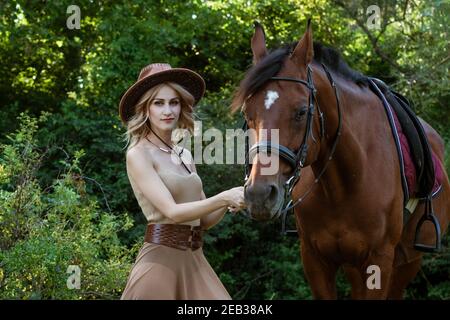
261	193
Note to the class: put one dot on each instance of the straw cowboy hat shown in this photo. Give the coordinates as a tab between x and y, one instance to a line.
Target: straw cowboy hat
155	74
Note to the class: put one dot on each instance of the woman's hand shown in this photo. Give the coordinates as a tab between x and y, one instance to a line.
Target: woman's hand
233	210
235	199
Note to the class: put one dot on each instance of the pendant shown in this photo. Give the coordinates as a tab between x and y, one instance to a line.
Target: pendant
165	150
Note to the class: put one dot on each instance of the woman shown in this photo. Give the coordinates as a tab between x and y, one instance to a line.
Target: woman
170	264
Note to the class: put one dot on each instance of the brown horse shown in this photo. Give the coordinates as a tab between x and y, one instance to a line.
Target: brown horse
353	216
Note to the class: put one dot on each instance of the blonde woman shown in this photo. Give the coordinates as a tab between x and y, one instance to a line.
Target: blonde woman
171	263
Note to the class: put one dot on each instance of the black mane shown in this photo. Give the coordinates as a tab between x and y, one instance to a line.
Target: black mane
333	60
271	65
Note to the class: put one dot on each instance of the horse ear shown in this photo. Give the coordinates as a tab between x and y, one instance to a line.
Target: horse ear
304	51
258	43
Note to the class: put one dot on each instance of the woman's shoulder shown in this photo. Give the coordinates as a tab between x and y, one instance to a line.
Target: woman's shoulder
139	152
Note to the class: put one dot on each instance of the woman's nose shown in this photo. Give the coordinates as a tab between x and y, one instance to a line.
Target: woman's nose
167	109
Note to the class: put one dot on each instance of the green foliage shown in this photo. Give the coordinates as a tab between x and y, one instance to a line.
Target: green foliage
433	280
45	230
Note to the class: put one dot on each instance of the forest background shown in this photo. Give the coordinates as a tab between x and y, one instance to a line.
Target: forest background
66	207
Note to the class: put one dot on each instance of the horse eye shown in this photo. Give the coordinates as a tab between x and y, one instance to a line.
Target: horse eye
300	113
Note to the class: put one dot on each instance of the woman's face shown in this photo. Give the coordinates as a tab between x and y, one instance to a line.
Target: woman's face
165	109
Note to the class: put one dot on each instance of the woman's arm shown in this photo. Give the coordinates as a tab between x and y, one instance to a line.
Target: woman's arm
213	218
141	170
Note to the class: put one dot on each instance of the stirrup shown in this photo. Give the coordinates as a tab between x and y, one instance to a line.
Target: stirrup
428	216
285	232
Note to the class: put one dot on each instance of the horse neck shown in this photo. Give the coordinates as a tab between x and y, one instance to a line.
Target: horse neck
343	172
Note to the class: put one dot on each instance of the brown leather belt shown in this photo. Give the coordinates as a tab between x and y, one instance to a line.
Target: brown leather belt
176	236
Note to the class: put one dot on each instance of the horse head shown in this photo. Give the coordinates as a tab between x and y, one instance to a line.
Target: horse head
278	100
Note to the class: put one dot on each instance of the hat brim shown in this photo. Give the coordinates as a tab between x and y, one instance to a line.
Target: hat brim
188	79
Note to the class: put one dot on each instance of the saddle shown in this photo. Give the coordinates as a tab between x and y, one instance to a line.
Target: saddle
423	181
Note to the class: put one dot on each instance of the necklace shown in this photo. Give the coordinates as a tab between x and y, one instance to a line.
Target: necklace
160	148
168	151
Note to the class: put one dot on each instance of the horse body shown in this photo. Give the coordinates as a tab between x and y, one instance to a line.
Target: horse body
349	220
353	218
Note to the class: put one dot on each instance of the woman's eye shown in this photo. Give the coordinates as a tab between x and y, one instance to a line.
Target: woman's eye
175	102
158	103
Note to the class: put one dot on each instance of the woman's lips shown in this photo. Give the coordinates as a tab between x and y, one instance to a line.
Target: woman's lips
167	120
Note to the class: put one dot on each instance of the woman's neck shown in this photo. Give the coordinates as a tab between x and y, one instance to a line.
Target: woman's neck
166	136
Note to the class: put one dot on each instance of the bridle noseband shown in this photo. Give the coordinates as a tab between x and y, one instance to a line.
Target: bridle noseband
296	159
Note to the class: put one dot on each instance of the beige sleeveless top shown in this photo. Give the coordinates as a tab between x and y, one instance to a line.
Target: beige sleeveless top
184	188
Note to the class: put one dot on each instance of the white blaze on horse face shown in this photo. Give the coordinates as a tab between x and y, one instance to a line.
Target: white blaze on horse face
270	98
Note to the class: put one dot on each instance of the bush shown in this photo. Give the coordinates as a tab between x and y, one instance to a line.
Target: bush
46	230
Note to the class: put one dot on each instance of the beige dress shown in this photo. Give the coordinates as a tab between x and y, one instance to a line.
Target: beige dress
166	273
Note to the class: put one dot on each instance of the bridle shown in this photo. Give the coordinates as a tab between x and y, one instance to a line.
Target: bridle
296	159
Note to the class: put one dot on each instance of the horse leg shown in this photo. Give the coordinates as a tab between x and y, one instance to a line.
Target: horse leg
401	277
320	275
356	281
408	261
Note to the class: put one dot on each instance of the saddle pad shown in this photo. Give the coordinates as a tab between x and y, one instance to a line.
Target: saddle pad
409	168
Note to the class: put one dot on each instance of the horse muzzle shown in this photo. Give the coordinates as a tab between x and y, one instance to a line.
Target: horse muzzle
263	201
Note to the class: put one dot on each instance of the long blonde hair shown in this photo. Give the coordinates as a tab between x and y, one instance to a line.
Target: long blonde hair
138	126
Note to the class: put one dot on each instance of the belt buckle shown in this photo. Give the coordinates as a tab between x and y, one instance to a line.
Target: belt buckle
190	243
195	241
186	244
